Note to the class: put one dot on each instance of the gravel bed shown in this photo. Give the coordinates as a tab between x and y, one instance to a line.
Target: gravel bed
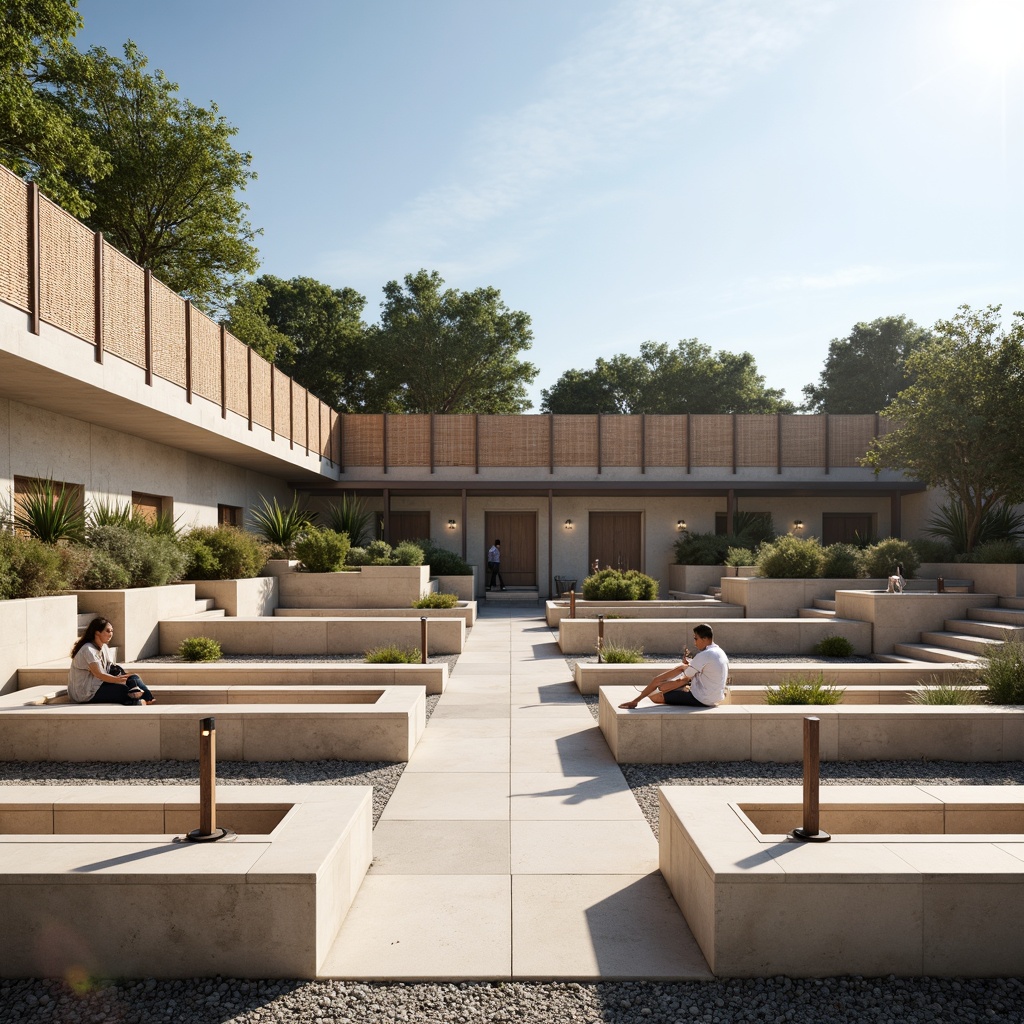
315	659
778	1000
810	660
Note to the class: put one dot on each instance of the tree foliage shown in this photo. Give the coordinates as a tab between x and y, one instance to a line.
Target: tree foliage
686	378
865	371
38	137
442	350
170	200
960	421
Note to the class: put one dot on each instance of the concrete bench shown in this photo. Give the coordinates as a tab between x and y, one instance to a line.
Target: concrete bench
656	734
280	636
263	723
917	880
277	673
97	886
737	636
466	610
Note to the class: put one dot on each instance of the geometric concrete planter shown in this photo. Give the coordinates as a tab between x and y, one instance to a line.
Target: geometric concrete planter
694	579
559	609
114	896
988	577
258	596
464	587
35	630
463	610
783	599
373	586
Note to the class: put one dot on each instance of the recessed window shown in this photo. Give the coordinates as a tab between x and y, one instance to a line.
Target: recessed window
229	515
151	507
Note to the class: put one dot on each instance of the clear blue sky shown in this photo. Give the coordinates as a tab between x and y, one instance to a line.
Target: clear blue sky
759	174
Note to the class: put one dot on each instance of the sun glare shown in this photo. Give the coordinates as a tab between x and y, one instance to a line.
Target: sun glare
990	31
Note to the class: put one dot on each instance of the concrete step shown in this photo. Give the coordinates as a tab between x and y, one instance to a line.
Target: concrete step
514	595
960	642
944	655
1011	602
213	613
825	603
205	604
993	630
816	613
898	659
1009	616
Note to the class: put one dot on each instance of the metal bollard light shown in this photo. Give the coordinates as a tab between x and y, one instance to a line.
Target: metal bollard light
600	637
572	604
208	831
810	832
940	586
423	639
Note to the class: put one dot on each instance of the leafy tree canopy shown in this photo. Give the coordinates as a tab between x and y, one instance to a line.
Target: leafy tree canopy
311	331
864	372
686	378
445	351
170	199
959	421
38	138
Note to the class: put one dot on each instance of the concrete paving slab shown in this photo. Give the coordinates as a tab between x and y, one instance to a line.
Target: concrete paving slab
583	848
441	848
547	796
461	754
449	796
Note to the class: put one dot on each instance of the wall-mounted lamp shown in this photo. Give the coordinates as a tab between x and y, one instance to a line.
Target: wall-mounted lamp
451	524
681	525
798	524
568	524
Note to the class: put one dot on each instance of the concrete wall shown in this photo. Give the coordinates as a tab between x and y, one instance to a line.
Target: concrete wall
257	596
33	631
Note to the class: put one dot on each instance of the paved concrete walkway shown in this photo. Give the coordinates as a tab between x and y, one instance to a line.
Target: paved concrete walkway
512	846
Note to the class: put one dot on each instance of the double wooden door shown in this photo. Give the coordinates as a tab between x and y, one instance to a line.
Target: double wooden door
517	532
616	540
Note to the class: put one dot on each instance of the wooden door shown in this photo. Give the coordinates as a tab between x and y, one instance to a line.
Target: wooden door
409	526
517	532
841	528
616	540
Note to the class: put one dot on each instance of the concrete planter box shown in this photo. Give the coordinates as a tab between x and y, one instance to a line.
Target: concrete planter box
464	587
694	579
373	586
136	614
280	566
558	609
1004	580
464	610
257	596
656	734
35	630
116	897
783	599
917	880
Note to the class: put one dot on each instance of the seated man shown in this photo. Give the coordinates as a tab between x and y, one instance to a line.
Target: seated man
697	683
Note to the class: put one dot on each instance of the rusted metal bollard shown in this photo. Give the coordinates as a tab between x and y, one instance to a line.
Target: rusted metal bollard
940	586
572	604
208	831
810	832
600	637
423	639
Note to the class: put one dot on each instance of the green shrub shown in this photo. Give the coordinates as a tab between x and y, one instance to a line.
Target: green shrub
437	601
351	516
392	654
842	562
803	690
147	559
998	552
790	557
281	527
200	648
943	690
357	556
701	548
929	550
443	562
102	571
740	556
322	550
1003	677
833	646
615	654
614	585
378	552
999	522
223	553
407	553
879	561
30	568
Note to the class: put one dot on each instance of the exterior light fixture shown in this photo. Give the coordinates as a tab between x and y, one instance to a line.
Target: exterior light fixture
681	525
451	524
568	524
798	524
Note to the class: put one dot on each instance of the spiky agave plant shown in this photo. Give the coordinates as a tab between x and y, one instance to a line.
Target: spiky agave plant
50	512
281	526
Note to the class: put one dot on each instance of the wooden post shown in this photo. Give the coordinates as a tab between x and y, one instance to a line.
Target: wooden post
34	262
208	831
810	832
147	305
423	639
572	603
600	637
97	264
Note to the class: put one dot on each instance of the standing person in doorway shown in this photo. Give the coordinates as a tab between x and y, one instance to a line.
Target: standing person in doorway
494	566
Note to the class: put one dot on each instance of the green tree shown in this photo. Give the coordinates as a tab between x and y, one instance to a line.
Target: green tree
448	351
865	371
38	137
311	331
686	378
959	421
170	201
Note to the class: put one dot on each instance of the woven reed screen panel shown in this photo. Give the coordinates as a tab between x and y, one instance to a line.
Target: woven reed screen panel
313	422
260	391
620	440
336	436
712	440
325	431
205	357
124	307
363	435
803	441
848	439
575	440
13	240
454	441
665	440
236	372
757	440
282	388
409	440
514	441
298	414
167	310
67	292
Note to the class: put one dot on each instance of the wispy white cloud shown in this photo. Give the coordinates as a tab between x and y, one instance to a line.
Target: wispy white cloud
638	73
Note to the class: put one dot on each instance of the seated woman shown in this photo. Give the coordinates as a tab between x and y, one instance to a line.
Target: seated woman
91	679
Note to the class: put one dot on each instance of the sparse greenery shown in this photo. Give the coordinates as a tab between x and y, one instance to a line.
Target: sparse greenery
437	601
879	561
615	585
223	553
944	690
804	690
616	654
790	557
998	552
281	527
1003	677
930	550
125	556
199	648
322	550
834	646
392	654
